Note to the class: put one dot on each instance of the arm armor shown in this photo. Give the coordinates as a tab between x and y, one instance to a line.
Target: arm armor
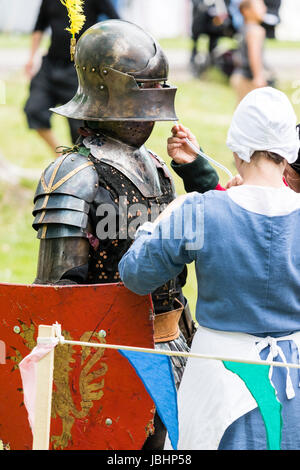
61	207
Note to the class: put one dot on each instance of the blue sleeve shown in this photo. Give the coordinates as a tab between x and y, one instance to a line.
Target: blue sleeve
161	250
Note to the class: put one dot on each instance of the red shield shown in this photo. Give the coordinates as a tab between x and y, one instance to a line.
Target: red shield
98	402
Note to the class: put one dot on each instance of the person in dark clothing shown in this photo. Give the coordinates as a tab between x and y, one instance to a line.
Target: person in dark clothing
56	81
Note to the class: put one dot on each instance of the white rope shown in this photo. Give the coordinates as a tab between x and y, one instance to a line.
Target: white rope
62	340
275	350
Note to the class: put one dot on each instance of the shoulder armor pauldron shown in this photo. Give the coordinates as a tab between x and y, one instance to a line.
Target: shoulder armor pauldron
63	197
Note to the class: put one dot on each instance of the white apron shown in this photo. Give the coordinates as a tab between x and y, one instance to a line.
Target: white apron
211	397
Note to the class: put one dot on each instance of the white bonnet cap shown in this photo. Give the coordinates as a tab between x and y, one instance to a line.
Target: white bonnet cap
264	120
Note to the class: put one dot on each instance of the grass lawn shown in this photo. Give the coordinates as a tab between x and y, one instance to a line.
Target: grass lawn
205	106
185	43
22	41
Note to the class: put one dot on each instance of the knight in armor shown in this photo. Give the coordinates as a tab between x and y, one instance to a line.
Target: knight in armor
122	92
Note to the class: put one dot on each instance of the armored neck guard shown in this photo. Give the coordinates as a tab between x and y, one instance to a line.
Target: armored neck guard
132	133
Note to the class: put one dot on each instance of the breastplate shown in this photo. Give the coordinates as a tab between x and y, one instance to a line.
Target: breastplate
114	188
135	163
141	178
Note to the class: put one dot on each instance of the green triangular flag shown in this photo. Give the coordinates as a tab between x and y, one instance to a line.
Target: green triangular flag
256	378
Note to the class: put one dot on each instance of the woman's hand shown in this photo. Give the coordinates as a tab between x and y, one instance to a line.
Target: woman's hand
178	149
235	181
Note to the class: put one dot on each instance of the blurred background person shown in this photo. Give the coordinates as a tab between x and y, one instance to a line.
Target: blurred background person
56	80
219	19
270	21
250	72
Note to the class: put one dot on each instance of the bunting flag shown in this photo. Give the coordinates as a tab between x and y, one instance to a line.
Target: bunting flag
156	373
256	379
28	371
154	370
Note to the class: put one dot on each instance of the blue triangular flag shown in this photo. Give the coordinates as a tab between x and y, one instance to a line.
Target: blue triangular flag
155	371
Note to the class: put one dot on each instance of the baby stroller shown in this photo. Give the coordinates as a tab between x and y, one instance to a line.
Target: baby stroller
210	18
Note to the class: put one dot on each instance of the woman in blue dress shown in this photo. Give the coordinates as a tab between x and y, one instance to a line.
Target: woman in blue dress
245	245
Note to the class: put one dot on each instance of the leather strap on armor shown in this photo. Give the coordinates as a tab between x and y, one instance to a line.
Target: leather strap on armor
187	325
166	325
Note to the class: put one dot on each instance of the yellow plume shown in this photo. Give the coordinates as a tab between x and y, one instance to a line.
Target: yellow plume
77	19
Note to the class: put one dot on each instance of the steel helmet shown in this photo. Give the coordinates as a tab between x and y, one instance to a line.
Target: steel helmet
118	66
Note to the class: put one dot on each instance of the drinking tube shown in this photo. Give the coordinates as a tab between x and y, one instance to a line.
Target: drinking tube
203	155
